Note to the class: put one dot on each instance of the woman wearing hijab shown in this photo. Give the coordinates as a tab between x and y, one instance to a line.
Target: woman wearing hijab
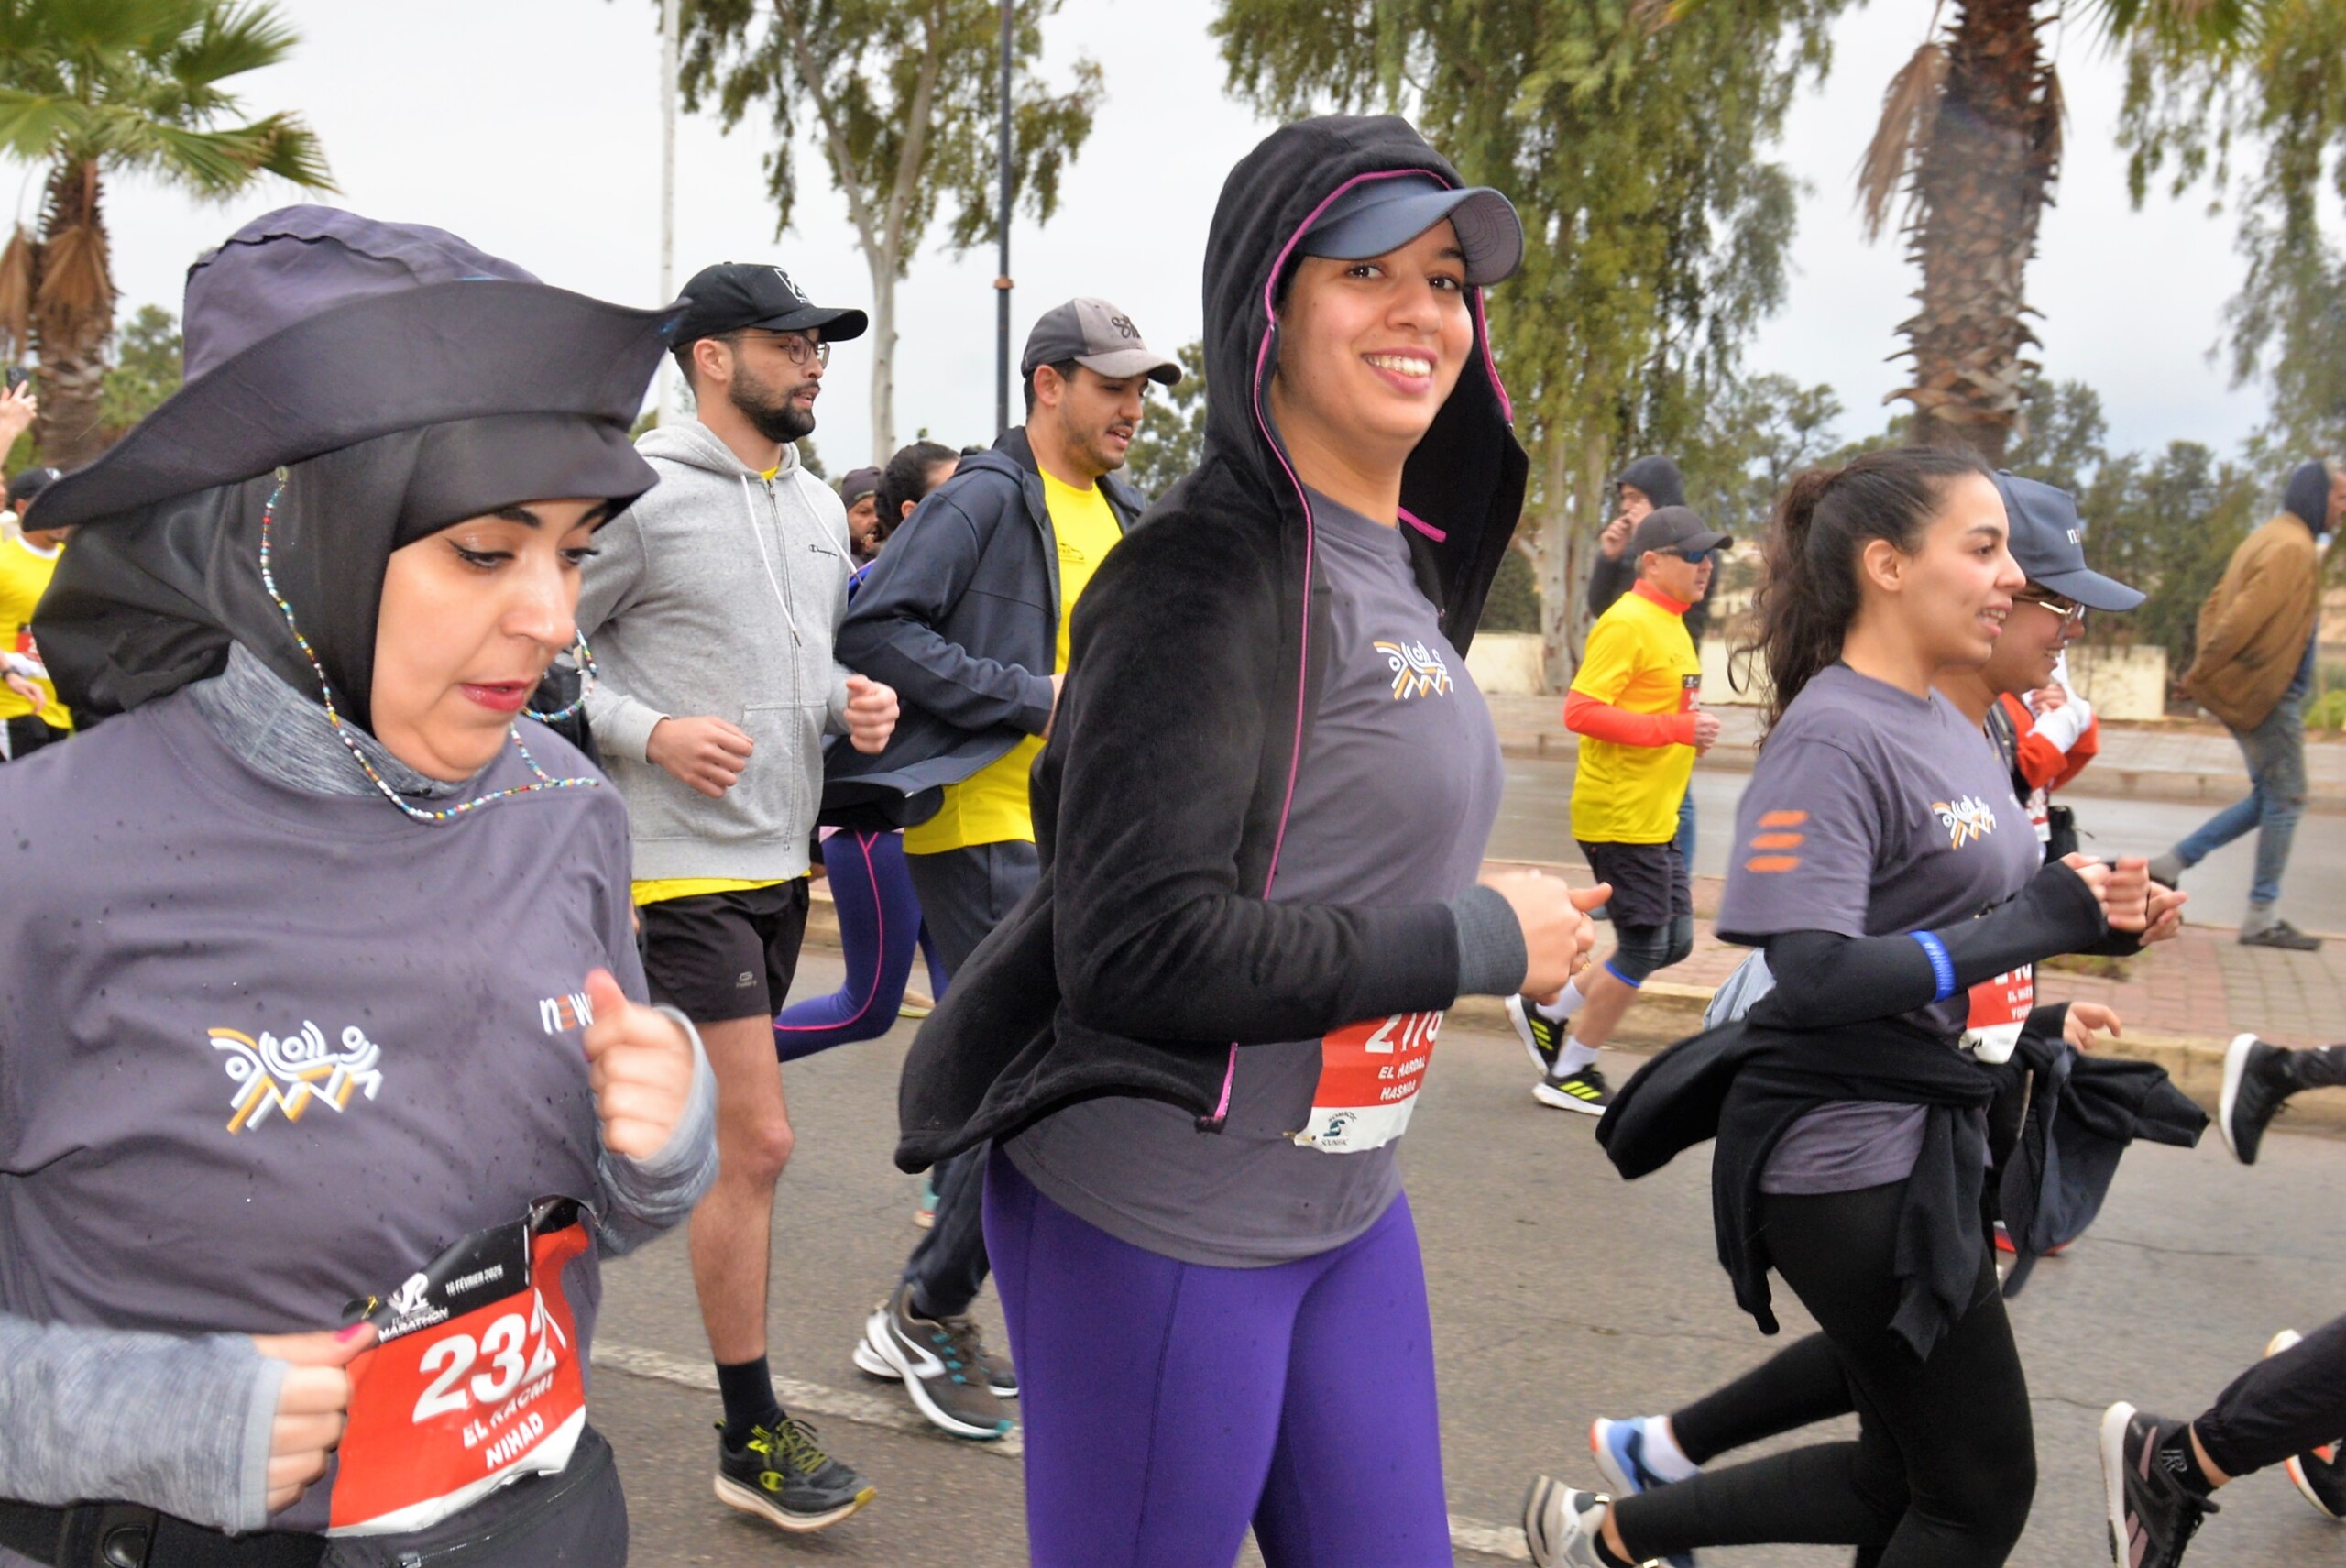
324	1088
1263	807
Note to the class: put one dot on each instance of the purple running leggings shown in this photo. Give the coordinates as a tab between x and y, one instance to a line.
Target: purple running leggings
1166	1405
879	924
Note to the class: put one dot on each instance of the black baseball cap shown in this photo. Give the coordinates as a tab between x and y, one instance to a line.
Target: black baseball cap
1377	215
28	484
1097	336
733	295
1676	530
858	483
2049	541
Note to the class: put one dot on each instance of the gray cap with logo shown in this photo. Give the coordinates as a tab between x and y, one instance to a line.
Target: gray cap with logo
1097	336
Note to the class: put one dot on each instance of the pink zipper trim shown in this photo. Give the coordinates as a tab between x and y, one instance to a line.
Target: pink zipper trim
1429	530
1303	673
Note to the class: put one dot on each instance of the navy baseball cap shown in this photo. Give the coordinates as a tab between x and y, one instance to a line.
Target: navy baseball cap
1379	215
858	483
1675	529
734	295
2049	541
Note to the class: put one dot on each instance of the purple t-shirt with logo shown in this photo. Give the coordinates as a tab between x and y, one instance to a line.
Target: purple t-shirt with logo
1872	812
1394	804
264	1051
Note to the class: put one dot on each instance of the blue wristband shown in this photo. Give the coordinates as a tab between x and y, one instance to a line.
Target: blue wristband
1942	966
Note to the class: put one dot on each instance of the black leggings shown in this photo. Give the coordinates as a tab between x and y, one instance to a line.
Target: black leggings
2284	1405
1944	1468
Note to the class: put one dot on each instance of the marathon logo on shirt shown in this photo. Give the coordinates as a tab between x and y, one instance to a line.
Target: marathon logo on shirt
1417	670
1966	821
286	1077
560	1014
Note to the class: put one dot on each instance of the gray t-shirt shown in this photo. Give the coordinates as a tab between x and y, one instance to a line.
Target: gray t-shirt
1394	804
1872	812
264	1051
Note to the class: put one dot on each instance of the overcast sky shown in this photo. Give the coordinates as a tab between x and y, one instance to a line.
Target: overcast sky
531	128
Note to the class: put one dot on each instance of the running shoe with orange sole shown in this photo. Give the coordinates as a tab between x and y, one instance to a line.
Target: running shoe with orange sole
2320	1475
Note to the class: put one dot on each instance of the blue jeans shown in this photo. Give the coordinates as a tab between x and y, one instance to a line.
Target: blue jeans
2275	750
1685	840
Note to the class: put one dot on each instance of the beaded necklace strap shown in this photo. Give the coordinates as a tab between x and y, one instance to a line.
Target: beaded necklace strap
325	690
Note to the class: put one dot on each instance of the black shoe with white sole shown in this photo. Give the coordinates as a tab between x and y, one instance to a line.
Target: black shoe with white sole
783	1476
1583	1090
2252	1095
2152	1514
942	1363
1543	1040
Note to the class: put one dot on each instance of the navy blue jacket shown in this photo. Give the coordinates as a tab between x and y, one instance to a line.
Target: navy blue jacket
960	615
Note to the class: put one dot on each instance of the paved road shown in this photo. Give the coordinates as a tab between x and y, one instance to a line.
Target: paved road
1535	823
1560	1293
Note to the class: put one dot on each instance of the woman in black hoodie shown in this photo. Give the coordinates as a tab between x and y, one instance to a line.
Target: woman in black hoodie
1261	814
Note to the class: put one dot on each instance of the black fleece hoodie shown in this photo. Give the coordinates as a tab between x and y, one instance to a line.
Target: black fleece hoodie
1149	949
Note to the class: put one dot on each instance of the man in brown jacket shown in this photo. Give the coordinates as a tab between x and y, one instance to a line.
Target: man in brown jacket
2255	667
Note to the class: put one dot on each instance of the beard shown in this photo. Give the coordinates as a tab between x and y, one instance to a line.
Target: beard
768	407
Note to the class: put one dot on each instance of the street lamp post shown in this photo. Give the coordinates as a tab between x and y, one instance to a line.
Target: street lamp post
1002	277
670	24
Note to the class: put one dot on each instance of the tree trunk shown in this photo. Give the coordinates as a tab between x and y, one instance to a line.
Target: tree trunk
882	338
1986	169
72	318
1560	545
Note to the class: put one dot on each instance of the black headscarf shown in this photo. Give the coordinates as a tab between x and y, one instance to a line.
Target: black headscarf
2306	496
143	606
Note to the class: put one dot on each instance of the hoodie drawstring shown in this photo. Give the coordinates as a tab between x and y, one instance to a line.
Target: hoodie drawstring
750	512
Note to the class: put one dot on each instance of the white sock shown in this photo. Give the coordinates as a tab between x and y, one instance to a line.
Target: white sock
1574	1056
1663	1454
1568	1002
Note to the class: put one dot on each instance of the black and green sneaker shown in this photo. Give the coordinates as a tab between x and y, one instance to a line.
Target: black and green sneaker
783	1476
1542	1038
1583	1090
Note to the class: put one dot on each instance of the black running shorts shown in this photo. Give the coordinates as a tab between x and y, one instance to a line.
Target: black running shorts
720	956
1650	884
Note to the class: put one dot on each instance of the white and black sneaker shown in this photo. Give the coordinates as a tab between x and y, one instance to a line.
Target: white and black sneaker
1543	1040
942	1363
1583	1090
1562	1526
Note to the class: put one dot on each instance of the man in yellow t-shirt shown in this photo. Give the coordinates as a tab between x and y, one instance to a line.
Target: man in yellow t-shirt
30	714
1636	707
966	615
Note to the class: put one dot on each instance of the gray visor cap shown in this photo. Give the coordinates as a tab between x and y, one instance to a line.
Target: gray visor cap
1380	215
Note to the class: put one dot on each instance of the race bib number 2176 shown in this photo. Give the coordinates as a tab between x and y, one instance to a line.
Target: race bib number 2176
1369	1075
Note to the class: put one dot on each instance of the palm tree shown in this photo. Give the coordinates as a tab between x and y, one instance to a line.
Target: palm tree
91	88
1970	134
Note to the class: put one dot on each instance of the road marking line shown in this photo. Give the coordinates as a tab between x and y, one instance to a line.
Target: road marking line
877	1411
811	1399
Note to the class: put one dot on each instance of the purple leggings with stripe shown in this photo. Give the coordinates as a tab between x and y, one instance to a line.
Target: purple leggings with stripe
1166	1406
878	926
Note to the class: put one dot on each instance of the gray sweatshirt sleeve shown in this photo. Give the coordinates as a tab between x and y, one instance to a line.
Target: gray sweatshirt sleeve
1492	956
178	1424
622	726
640	1198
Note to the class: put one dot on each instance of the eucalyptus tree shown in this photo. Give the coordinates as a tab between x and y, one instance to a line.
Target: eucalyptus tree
903	98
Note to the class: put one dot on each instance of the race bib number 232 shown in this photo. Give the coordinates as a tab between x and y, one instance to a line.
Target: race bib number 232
474	1383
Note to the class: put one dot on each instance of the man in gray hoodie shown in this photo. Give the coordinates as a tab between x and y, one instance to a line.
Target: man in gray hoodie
710	607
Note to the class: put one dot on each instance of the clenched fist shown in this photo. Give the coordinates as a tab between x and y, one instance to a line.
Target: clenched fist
639	1065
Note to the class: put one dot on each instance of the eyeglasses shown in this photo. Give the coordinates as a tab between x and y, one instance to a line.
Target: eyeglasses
2069	610
796	345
